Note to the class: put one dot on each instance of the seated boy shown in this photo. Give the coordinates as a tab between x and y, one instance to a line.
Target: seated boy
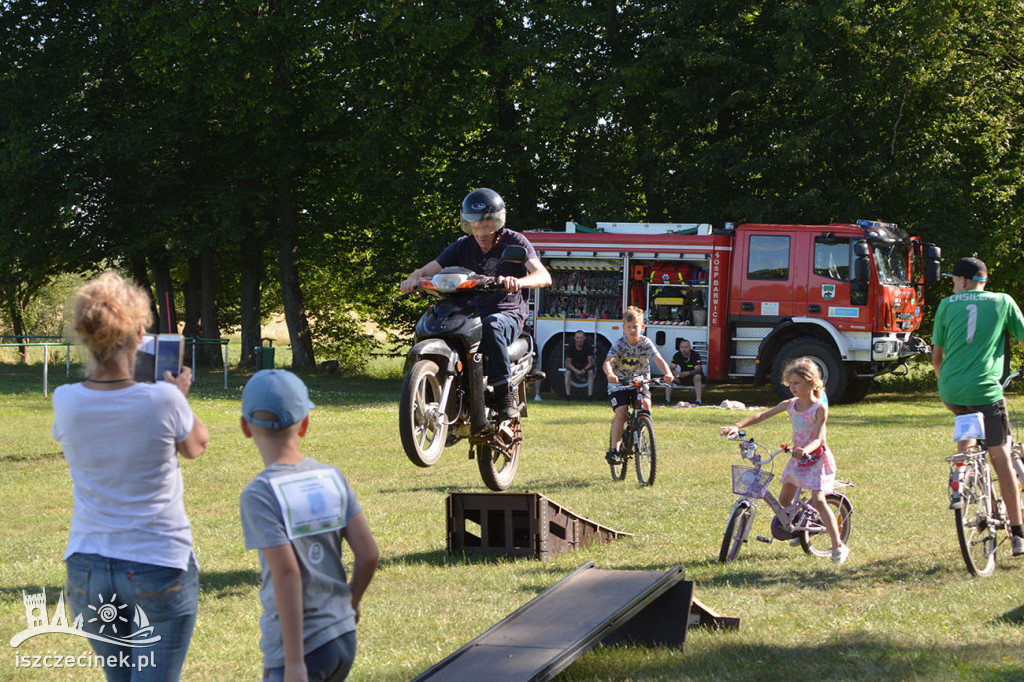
628	359
296	512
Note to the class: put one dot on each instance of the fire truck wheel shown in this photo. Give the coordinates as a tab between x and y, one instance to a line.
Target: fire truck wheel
833	372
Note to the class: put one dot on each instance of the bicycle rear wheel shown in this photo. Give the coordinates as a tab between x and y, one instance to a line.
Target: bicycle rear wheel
975	533
736	532
819	543
645	451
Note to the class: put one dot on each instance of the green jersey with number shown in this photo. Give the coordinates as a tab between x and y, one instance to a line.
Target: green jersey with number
971	327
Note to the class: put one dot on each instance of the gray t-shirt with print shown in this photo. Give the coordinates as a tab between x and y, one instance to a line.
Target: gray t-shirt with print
631	362
326	600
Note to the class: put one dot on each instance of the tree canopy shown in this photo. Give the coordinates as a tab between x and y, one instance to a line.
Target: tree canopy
241	156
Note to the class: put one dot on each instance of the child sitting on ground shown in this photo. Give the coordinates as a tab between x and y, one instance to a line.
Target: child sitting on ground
811	466
628	359
296	513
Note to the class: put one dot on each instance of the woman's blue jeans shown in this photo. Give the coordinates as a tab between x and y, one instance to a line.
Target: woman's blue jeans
105	593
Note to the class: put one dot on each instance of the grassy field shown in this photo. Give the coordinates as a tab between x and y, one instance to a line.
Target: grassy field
902	607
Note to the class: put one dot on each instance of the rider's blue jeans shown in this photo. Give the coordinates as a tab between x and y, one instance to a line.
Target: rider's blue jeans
500	329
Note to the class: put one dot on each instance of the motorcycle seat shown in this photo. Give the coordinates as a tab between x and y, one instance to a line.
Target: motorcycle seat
519	349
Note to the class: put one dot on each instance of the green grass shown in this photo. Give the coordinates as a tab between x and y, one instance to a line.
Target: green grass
902	607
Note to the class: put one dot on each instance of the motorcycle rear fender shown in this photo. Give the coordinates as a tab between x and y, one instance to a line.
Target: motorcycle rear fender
434	349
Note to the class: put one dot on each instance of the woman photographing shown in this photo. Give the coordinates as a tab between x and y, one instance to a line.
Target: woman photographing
130	546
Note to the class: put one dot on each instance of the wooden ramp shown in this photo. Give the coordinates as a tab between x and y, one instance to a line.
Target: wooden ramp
590	606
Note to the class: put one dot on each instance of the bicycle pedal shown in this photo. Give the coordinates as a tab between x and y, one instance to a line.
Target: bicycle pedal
765	540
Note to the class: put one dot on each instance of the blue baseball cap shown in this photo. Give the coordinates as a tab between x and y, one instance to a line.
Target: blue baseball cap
279	392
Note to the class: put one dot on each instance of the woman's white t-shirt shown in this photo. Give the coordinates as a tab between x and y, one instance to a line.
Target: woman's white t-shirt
120	447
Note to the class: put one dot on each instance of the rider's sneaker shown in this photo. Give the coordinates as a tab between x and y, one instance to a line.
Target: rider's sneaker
1018	545
840	555
613	457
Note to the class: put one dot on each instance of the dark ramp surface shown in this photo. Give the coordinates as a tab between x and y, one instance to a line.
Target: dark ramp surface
588	607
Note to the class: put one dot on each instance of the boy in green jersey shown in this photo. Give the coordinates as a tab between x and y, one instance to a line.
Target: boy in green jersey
968	341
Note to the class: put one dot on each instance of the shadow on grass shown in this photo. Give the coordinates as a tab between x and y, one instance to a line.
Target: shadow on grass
218	584
847	656
42	457
1012	617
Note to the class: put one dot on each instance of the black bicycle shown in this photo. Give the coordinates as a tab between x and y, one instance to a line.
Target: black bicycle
638	439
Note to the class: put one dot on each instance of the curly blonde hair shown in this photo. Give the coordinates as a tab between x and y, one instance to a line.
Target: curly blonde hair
806	369
109	312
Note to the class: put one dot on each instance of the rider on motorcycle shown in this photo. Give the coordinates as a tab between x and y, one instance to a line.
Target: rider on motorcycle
502	313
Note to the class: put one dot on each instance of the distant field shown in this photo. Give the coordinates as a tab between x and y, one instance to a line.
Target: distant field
903	607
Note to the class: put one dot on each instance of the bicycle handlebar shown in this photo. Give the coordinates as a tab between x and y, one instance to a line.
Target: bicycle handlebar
749	446
1013	375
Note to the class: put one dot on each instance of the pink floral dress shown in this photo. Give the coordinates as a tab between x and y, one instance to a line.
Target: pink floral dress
821	475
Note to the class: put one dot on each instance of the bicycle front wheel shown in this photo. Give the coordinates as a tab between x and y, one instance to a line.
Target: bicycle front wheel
644	451
736	532
974	530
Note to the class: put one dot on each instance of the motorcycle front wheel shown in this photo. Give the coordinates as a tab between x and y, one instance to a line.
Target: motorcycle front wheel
498	463
422	422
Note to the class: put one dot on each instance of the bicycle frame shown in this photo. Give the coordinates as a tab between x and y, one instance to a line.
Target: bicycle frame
798	517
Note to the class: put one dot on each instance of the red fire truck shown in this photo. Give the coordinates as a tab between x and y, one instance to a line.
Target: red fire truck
748	297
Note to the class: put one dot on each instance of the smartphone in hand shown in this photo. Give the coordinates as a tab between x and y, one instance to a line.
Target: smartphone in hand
168	352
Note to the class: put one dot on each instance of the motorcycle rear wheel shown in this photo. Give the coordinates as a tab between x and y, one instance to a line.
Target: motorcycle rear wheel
498	465
422	422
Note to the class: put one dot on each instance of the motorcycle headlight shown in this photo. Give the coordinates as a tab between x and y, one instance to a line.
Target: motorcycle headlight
448	282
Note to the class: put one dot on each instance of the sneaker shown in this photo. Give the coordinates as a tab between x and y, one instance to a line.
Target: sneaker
698	403
613	457
840	555
795	542
1018	545
537	398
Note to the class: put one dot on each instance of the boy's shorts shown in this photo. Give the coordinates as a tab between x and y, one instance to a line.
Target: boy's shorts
997	423
626	396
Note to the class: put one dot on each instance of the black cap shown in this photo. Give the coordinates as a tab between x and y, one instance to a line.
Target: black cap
969	268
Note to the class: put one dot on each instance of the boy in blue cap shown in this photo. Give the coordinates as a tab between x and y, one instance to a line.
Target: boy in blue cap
296	512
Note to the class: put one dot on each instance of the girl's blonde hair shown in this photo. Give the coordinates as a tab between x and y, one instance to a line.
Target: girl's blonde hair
633	314
806	369
109	312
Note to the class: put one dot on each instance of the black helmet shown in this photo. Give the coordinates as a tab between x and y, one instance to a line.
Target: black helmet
482	204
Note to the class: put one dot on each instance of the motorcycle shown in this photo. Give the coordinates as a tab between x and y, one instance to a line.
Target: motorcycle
444	395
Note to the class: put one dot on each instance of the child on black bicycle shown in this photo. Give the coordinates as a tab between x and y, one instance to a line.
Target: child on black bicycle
812	465
629	358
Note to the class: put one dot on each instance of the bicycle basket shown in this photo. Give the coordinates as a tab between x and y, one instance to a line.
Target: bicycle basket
750	481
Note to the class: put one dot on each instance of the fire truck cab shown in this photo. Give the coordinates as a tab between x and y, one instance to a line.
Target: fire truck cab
749	298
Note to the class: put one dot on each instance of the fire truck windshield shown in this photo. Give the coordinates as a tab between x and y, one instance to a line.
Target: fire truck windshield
891	260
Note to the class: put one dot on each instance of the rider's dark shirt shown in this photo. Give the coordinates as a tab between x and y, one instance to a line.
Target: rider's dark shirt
466	253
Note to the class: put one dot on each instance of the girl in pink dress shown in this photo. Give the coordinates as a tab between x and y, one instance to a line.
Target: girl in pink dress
812	466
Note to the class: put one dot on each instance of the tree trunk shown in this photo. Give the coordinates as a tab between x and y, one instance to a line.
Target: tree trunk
211	325
251	276
193	299
141	276
18	324
164	294
291	291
